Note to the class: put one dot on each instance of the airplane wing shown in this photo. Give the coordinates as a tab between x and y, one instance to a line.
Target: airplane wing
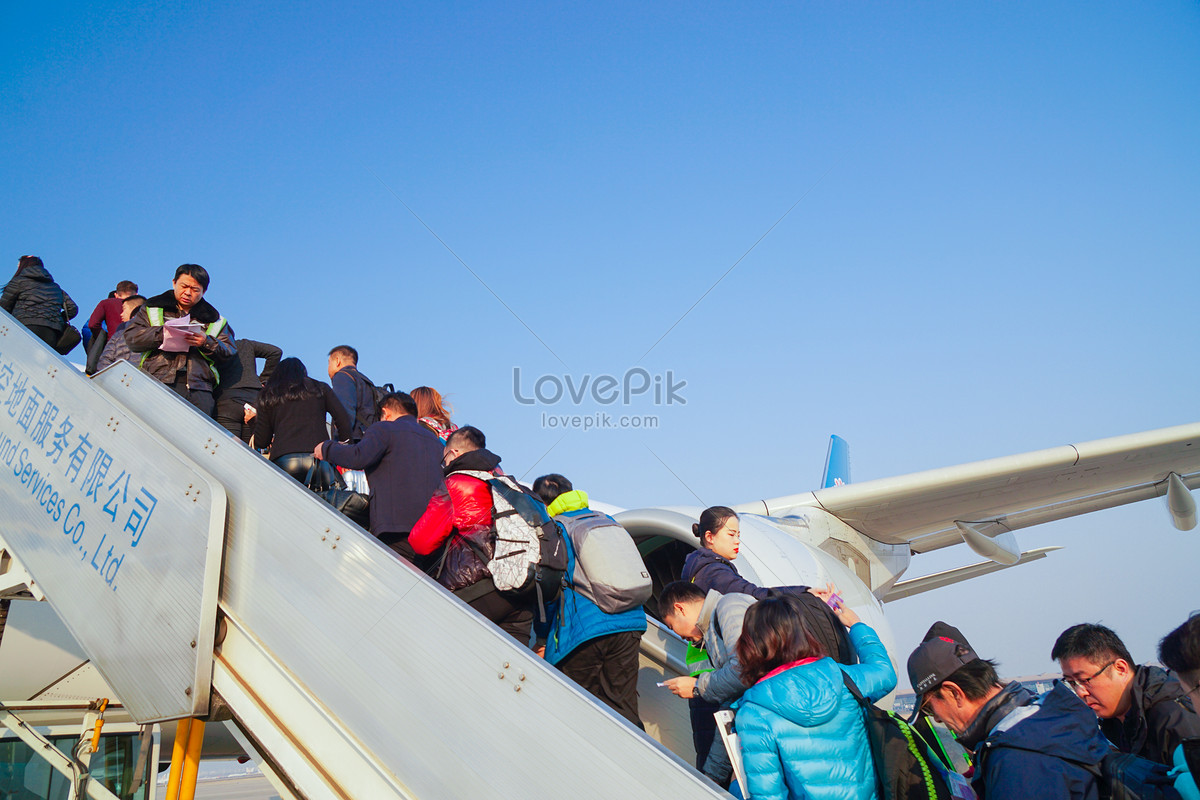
929	510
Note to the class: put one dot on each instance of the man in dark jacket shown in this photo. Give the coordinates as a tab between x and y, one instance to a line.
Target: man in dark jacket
190	370
37	301
241	382
403	462
1142	709
354	389
1025	745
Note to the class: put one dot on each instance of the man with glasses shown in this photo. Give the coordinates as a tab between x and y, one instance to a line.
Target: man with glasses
1135	703
1025	745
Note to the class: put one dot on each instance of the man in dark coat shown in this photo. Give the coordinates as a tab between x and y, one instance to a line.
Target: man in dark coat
191	372
1025	745
241	382
402	459
37	301
1142	709
354	389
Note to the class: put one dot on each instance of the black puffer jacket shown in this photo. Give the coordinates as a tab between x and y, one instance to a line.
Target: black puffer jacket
142	337
34	298
1155	723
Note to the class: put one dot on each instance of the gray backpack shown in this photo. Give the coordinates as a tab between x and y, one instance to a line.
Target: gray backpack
608	567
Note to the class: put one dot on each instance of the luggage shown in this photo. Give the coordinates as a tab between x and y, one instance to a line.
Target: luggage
608	567
530	556
330	487
905	766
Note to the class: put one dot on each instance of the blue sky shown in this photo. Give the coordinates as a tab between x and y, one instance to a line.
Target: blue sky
992	246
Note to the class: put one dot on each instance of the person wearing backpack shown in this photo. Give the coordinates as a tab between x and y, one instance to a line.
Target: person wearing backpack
354	389
1142	709
1026	745
597	649
459	525
801	728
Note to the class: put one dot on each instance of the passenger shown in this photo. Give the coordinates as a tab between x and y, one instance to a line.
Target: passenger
354	389
291	417
241	383
401	459
711	567
1025	745
1142	709
37	302
1180	652
597	650
192	374
116	349
716	620
801	730
432	412
459	524
108	312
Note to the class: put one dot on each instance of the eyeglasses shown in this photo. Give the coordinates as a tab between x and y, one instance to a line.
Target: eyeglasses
1076	683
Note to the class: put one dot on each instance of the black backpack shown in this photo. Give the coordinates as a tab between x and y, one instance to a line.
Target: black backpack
906	767
821	622
367	413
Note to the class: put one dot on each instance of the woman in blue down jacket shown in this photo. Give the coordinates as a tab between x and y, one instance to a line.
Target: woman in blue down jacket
801	730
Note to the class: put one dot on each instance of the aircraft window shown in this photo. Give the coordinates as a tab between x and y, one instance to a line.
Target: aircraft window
664	558
26	776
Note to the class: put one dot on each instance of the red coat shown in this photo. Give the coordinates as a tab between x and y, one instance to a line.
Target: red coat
467	507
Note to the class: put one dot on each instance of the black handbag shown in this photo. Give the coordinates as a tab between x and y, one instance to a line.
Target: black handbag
330	487
70	336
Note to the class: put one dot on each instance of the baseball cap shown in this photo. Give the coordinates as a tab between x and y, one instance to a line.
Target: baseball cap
943	651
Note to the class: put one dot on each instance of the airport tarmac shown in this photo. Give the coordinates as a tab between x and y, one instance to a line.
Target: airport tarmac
254	788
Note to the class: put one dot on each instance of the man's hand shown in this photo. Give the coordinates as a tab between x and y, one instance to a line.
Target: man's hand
195	339
682	687
317	451
249	413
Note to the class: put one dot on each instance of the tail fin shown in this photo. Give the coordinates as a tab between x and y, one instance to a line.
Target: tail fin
837	463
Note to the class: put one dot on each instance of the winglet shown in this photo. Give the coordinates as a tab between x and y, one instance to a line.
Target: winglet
837	463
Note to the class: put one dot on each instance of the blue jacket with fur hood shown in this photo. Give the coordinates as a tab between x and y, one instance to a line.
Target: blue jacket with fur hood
802	732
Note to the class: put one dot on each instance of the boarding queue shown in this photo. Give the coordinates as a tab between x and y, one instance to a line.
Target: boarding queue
783	679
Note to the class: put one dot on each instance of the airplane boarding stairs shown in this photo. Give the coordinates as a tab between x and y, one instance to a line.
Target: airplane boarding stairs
203	582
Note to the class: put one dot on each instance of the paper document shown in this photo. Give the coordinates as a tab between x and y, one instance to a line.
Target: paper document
175	329
734	747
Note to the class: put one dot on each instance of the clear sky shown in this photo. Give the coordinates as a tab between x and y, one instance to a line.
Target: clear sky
988	229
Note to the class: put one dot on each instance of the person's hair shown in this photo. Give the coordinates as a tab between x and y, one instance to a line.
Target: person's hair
430	404
345	351
134	298
1093	642
399	402
976	678
774	634
127	286
288	383
549	487
1179	650
28	261
678	592
470	435
711	521
195	271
